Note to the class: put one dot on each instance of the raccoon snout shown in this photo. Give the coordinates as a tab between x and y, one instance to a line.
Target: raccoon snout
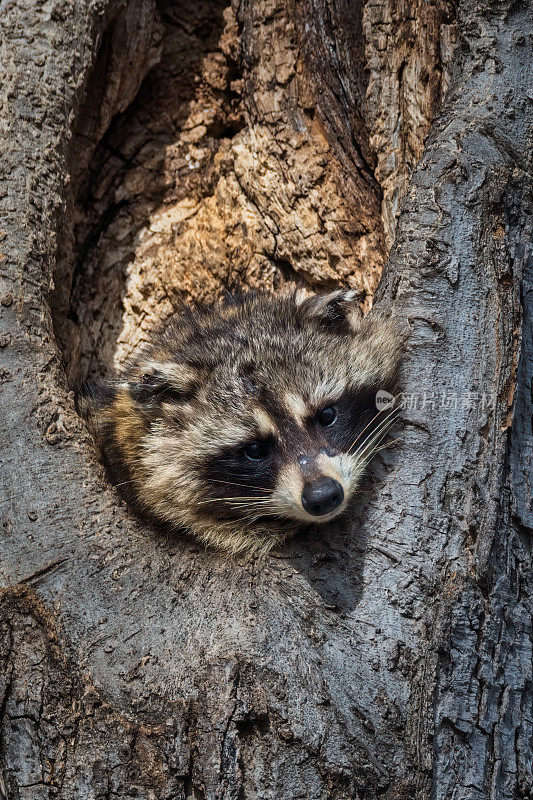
322	496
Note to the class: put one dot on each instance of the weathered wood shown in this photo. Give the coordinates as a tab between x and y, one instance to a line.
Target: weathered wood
461	272
391	655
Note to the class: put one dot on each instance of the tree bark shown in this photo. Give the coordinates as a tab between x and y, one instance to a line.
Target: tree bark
152	151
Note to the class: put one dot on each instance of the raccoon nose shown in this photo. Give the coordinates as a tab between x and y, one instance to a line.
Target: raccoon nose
322	496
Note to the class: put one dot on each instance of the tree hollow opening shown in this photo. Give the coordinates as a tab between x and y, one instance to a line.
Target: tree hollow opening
220	148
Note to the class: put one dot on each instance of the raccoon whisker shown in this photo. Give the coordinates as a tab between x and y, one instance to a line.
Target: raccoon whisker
378	449
261	512
124	483
255	506
383	410
387	445
248	500
383	425
263	515
250	510
375	438
234	500
380	432
255	517
257	509
366	451
252	505
248	486
242	485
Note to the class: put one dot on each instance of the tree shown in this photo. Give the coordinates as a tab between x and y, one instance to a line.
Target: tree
158	150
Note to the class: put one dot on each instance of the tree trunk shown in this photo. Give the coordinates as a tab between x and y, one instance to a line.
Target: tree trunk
159	150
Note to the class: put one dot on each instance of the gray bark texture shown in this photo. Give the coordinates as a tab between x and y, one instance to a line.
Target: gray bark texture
389	656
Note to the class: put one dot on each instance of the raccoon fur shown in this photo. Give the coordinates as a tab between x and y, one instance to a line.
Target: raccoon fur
246	421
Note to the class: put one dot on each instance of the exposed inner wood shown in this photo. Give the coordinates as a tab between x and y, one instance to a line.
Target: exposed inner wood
260	151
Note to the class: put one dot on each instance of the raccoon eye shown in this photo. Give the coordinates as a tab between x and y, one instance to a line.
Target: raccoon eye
327	416
256	451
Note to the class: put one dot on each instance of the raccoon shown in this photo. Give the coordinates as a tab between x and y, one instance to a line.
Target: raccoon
243	422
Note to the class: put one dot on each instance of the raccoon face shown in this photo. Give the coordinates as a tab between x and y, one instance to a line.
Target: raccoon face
243	422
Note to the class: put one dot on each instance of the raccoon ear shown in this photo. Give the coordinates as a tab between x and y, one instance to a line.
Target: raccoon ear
91	400
337	310
160	384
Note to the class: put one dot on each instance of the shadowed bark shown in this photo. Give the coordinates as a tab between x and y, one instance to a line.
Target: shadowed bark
155	151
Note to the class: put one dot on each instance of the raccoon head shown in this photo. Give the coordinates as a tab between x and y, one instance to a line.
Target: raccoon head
243	422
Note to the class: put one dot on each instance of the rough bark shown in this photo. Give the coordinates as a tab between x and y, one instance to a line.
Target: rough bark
141	145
